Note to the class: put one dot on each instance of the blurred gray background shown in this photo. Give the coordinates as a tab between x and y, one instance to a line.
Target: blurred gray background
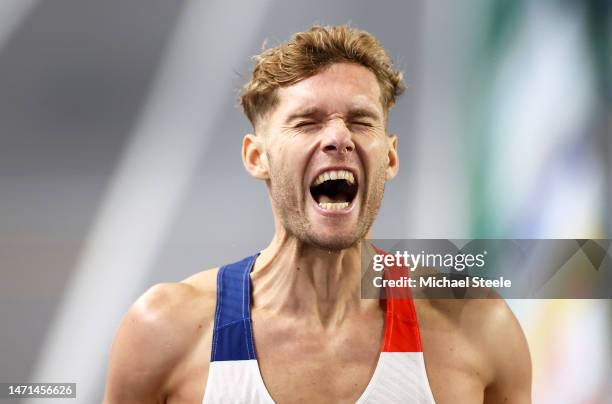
120	165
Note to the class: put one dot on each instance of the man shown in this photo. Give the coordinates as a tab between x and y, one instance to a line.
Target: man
289	324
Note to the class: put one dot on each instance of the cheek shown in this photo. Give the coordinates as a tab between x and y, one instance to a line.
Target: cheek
374	153
296	153
287	161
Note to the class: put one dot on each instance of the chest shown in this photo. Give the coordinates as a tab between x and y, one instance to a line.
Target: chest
300	363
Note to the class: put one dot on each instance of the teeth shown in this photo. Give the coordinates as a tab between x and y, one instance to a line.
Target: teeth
334	175
333	206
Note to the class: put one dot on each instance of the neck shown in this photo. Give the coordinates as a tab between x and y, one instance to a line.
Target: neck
298	279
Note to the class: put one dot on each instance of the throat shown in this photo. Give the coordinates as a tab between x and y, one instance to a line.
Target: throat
295	279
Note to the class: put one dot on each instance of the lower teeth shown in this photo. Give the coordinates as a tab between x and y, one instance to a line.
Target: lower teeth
333	206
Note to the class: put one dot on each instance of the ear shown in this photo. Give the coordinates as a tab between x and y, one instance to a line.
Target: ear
254	158
393	160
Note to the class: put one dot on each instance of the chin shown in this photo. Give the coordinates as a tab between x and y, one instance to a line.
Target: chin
333	242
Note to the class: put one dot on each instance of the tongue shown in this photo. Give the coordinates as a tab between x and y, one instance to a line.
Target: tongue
336	199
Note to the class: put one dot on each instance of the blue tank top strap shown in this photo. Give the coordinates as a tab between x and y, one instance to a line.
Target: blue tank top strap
233	331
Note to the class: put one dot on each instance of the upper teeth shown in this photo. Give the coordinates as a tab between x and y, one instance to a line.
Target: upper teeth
334	175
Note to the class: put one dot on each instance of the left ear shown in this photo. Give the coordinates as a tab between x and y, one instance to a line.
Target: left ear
393	160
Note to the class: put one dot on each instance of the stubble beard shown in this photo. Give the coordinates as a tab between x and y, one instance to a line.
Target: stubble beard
293	216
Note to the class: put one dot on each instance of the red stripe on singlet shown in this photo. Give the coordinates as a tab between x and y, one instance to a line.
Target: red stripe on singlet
401	323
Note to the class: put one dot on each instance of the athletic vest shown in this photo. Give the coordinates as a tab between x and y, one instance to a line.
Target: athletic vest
234	377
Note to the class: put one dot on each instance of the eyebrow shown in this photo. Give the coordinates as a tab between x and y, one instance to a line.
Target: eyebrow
312	112
362	113
307	112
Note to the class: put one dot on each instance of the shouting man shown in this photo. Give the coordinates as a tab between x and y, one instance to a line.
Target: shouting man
288	324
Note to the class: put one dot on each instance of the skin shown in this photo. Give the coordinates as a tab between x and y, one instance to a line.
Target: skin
306	291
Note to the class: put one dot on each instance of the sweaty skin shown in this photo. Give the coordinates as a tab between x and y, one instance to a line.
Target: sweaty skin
317	341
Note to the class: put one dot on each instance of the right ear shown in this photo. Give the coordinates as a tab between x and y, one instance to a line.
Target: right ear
254	157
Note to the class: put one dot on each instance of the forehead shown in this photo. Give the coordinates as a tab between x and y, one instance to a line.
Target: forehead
338	88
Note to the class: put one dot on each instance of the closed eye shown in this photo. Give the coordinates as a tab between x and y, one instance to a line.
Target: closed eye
306	126
362	124
305	123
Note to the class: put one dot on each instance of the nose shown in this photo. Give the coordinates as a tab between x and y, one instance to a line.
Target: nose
337	139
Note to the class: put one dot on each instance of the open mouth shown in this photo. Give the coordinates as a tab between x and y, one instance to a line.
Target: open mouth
334	189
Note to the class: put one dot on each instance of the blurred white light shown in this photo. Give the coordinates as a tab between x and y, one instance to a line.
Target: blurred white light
543	101
147	189
12	13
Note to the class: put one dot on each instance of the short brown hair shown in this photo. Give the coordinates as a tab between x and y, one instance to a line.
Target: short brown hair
306	54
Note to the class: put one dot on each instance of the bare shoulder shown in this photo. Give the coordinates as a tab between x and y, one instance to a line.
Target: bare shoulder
476	316
156	333
504	343
490	325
